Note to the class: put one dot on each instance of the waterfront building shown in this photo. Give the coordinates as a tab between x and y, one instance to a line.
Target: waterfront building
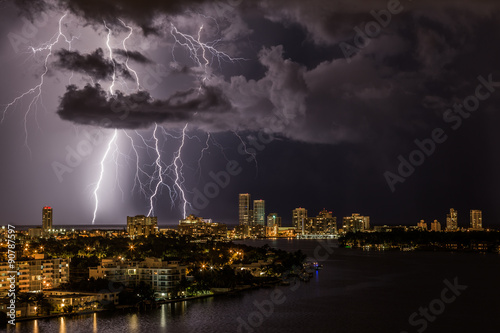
259	212
81	300
288	232
326	223
323	224
272	231
273	220
422	225
35	275
244	209
452	220
253	231
160	275
355	223
299	219
141	225
435	226
198	227
476	219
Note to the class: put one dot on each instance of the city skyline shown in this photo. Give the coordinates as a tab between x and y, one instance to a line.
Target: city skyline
297	217
291	108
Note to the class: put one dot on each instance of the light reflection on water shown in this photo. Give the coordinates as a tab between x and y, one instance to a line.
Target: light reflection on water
354	292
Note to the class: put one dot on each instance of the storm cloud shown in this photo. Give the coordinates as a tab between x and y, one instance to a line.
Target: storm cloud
91	105
142	13
133	55
94	64
423	61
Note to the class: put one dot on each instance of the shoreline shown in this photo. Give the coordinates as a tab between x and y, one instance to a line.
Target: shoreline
155	304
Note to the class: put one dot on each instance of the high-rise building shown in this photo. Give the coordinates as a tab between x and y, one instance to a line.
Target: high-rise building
34	274
141	225
46	218
323	224
244	209
435	226
273	219
451	220
476	219
422	225
259	212
299	219
326	223
355	223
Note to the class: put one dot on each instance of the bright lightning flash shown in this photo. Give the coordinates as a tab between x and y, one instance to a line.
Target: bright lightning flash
179	179
111	142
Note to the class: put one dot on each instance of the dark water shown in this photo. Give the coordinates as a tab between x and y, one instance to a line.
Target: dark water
355	292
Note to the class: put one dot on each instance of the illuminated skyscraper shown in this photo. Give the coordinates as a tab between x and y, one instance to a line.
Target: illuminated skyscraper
451	220
244	209
259	212
326	223
422	225
141	225
435	226
273	219
299	218
476	219
46	218
356	222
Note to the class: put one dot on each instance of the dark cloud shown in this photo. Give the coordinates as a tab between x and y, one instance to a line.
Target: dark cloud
141	13
94	64
426	59
92	106
133	55
329	22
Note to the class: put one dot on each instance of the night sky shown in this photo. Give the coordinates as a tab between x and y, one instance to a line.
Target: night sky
328	98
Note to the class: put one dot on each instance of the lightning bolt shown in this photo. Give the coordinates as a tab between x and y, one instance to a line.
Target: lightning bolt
138	170
179	179
198	49
96	198
159	168
116	157
37	89
131	31
218	145
253	155
207	146
111	87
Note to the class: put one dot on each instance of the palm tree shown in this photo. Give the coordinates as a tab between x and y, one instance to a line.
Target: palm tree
42	303
24	300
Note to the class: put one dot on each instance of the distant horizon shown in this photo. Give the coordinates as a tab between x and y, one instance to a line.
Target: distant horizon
486	225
